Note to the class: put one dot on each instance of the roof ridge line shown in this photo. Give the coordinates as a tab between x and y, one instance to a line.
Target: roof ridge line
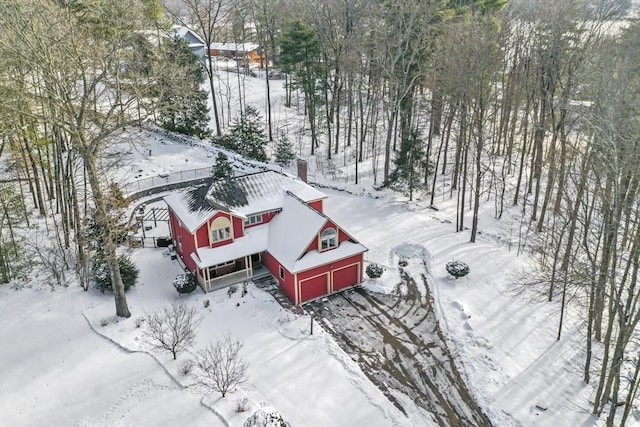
307	205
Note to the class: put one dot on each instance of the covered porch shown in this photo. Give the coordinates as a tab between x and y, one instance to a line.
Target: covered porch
222	266
230	272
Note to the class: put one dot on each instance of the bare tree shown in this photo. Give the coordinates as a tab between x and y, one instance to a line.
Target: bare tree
173	329
221	367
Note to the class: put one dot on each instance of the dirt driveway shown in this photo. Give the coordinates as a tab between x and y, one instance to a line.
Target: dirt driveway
398	343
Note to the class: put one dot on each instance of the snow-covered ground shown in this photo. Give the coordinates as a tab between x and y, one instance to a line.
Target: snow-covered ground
59	365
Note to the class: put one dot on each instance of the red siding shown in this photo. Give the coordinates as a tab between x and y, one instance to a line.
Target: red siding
203	235
342	236
316	204
268	216
287	285
238	227
188	241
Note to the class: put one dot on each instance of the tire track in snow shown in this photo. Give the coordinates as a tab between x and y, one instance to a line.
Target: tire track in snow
399	345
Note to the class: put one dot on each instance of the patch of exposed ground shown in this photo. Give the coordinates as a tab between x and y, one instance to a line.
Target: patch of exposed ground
398	343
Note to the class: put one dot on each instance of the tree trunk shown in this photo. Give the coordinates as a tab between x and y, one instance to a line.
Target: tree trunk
102	223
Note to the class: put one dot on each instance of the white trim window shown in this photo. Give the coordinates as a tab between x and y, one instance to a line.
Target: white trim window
220	234
253	219
281	272
328	239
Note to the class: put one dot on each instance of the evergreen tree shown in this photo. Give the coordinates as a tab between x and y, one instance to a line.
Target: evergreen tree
128	271
185	105
12	214
247	136
284	154
409	163
300	54
222	169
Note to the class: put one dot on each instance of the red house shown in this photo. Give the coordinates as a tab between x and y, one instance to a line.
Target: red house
227	232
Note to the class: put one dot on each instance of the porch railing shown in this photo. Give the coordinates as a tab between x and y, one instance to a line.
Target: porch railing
228	279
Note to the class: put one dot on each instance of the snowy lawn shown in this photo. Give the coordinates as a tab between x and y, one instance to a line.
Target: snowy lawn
55	370
505	343
308	379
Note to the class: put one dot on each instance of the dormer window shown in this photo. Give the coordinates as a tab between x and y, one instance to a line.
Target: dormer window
253	219
328	239
220	230
220	234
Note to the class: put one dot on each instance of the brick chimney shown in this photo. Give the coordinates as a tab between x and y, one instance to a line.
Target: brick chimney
302	169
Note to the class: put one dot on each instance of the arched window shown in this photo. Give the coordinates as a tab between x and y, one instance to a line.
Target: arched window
220	229
328	239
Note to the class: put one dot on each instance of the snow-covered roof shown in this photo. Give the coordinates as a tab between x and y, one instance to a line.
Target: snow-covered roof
237	47
293	229
259	192
185	33
286	237
314	258
243	195
253	241
190	207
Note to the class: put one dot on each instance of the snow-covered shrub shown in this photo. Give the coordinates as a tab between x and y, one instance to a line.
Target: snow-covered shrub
242	405
128	271
266	417
185	366
457	268
139	321
232	290
185	283
374	271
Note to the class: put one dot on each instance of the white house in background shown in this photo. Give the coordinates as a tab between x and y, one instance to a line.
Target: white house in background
226	231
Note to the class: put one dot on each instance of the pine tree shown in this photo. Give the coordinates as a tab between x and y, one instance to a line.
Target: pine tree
409	163
247	136
284	154
185	105
300	54
222	169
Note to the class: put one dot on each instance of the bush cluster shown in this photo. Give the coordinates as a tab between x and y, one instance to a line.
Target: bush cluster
374	271
128	271
457	268
185	283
